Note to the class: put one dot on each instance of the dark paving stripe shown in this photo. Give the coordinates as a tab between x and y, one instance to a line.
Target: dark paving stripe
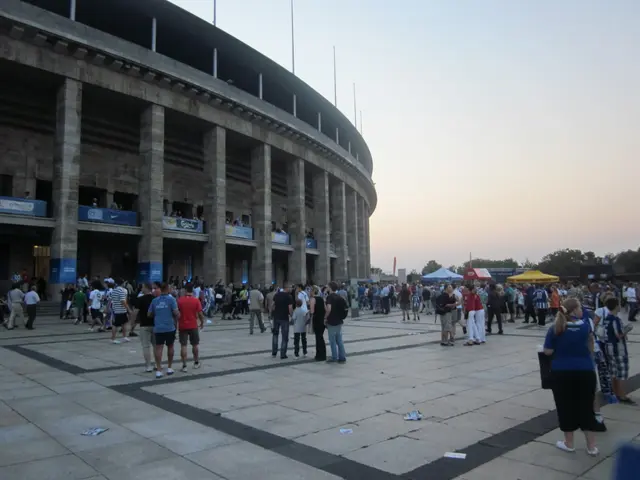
334	464
76	370
496	445
478	454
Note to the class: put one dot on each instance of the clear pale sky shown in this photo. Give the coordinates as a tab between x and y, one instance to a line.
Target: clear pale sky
505	128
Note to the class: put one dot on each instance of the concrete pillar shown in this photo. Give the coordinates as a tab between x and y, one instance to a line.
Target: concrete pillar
261	266
367	214
151	194
322	227
339	229
66	179
109	199
352	234
362	239
215	204
296	213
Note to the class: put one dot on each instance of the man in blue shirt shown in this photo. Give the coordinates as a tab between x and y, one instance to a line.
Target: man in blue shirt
165	314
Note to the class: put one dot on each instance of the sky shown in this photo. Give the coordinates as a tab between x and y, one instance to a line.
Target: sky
500	128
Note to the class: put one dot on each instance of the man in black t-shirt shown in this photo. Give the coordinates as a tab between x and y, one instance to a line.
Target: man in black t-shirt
147	339
335	311
281	310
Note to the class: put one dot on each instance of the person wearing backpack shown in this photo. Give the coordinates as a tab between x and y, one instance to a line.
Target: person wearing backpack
335	312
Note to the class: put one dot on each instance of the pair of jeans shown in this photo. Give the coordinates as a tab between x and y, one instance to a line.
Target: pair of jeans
278	326
335	342
296	343
498	314
542	316
257	314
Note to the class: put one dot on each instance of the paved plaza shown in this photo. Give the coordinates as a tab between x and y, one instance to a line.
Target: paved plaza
245	415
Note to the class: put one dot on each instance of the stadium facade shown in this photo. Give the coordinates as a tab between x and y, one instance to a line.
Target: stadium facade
137	140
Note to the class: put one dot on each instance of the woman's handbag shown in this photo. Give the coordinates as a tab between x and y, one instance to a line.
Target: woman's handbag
545	370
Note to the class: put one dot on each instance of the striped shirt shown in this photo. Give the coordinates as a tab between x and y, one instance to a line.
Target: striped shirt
118	297
541	299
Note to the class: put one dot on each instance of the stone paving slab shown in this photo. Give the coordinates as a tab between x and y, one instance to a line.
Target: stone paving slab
245	415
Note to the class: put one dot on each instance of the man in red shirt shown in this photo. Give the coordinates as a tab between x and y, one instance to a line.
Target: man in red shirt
190	314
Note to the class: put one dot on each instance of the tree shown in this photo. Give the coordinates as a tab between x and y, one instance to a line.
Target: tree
626	262
414	272
529	265
376	271
565	263
430	267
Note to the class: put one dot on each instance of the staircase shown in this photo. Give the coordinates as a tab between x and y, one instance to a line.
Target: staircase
49	308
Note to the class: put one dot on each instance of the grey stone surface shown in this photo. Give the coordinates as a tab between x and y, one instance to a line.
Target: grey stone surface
353	236
339	229
215	204
65	64
66	171
510	469
296	216
151	183
261	268
363	255
176	468
322	225
68	467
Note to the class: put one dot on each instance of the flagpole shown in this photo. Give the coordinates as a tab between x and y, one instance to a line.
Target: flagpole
361	130
355	109
215	12
293	48
335	80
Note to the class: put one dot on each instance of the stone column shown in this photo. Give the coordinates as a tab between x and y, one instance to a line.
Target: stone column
322	231
362	239
151	194
215	203
339	231
261	266
367	237
352	234
66	179
296	213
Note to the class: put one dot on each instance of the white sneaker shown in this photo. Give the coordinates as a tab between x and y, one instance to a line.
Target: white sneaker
196	365
158	374
563	446
126	339
116	342
90	330
594	452
170	371
184	369
148	369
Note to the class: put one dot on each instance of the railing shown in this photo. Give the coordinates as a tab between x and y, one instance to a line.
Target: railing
23	206
280	238
312	243
189	225
107	215
245	233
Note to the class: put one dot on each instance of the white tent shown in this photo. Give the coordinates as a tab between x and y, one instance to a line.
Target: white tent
442	274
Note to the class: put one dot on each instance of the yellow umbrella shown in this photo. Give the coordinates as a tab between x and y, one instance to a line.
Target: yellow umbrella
533	276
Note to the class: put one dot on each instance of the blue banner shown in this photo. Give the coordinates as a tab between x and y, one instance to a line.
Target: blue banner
312	243
239	232
149	272
62	270
281	238
107	215
182	224
21	206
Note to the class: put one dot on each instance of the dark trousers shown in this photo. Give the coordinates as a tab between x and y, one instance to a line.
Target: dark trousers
542	316
529	311
573	393
633	310
498	315
280	326
31	315
385	305
321	347
296	343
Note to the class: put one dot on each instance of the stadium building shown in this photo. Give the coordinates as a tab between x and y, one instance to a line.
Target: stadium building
137	140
